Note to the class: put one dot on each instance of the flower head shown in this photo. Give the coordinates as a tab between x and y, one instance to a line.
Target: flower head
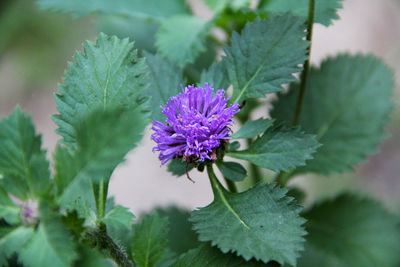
197	124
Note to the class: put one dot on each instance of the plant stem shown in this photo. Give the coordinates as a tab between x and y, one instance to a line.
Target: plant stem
100	191
215	184
283	177
304	73
231	185
99	238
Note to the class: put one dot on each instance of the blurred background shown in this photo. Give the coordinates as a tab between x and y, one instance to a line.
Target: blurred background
35	46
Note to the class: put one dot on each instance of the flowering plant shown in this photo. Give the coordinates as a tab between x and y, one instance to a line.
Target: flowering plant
330	119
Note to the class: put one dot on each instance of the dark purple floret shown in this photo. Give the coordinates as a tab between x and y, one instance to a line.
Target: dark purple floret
197	123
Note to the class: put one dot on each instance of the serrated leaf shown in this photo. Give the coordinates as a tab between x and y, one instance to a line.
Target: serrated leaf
9	211
107	74
182	38
205	255
21	156
178	167
165	80
260	223
144	10
351	231
119	217
346	104
279	148
252	128
232	170
265	56
98	150
181	237
216	76
150	240
14	241
51	244
325	10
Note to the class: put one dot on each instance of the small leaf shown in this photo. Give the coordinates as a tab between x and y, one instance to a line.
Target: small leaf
14	241
252	128
165	80
346	105
351	231
232	171
9	211
182	38
51	244
279	149
119	217
260	223
21	156
325	10
178	167
265	56
150	240
205	255
216	76
108	74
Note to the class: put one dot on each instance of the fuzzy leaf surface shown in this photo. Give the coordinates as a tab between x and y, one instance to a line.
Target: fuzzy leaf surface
252	128
165	79
21	157
182	38
119	217
107	74
150	240
205	255
351	231
98	150
14	241
325	10
232	170
346	105
260	223
279	149
144	10
265	56
51	243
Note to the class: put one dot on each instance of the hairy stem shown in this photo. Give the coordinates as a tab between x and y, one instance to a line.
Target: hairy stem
282	178
100	239
304	73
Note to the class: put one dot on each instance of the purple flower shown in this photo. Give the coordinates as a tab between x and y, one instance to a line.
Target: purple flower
197	124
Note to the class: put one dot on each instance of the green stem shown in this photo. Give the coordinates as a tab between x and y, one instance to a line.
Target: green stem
231	185
100	191
304	73
215	184
99	238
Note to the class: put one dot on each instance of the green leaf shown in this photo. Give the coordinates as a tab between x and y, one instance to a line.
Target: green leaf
205	255
178	167
150	240
143	10
265	56
216	75
181	237
165	79
219	5
232	170
182	38
21	157
119	217
260	223
106	75
279	149
253	128
325	10
51	244
98	150
14	241
346	104
351	231
9	211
